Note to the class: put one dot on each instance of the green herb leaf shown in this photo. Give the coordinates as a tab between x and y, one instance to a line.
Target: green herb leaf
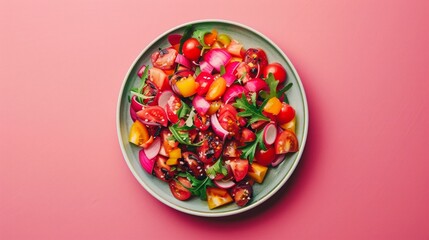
199	35
273	83
197	71
250	148
183	111
216	168
187	33
250	110
222	70
181	134
137	90
198	186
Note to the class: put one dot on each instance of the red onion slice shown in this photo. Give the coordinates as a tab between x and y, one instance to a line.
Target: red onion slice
224	184
182	60
147	163
231	67
163	98
232	92
217	58
229	78
201	105
279	159
217	128
206	67
256	85
135	105
153	150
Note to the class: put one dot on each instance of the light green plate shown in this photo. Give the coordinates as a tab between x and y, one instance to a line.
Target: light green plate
276	177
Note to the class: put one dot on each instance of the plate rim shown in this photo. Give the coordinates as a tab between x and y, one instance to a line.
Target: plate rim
277	187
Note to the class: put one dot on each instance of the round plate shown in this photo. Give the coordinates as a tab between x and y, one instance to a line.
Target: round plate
275	178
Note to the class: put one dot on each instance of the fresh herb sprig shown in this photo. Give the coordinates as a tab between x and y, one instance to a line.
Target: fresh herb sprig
181	134
216	168
250	110
138	90
248	151
198	186
272	84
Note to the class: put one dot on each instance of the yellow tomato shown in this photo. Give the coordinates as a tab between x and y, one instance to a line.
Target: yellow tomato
217	89
290	125
213	108
138	134
187	86
273	106
175	153
257	172
217	197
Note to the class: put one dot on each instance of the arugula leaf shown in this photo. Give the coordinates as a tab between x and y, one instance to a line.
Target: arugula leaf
187	33
250	110
217	168
272	84
184	110
250	148
137	91
181	134
222	70
198	186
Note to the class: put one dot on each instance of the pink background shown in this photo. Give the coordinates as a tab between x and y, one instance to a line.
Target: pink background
364	173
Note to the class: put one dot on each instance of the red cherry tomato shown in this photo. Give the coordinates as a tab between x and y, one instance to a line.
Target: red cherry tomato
173	105
286	114
265	157
164	59
247	135
211	147
153	114
162	170
204	81
242	193
201	122
239	168
191	49
179	188
286	142
256	59
277	70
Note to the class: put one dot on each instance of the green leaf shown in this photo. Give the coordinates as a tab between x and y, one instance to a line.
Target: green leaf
198	186
250	148
197	71
250	110
222	70
273	83
183	111
137	91
181	134
187	33
199	35
217	168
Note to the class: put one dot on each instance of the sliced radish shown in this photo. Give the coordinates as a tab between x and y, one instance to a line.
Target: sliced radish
201	105
279	159
217	128
153	149
224	184
164	97
147	163
270	134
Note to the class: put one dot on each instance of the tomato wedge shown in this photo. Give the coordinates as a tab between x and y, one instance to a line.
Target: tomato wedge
179	188
154	114
286	142
217	89
139	134
164	58
239	168
217	197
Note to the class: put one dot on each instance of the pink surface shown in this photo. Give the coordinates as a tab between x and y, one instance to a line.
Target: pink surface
364	173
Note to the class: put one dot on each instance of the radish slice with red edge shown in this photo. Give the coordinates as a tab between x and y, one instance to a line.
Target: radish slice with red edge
182	60
224	184
163	98
217	58
153	150
256	85
232	92
217	128
141	71
279	159
229	78
135	105
206	67
270	134
201	105
147	163
174	39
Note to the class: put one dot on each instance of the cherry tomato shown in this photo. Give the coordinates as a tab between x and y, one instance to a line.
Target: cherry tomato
286	142
150	90
211	147
164	58
162	170
154	114
173	105
231	150
265	157
239	168
201	122
190	163
217	197
187	86
228	121
243	71
204	81
273	106
168	142
178	189
214	106
216	89
247	135
242	193
277	70
191	49
159	78
286	114
210	38
256	59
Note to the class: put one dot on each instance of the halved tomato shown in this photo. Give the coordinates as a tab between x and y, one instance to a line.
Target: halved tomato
150	90
286	142
159	78
201	122
173	105
153	114
190	163
242	193
247	135
211	147
286	114
164	58
139	134
204	81
256	59
162	170
179	188
239	168
217	197
265	157
168	141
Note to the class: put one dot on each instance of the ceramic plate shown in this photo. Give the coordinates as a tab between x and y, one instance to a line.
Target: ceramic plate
276	177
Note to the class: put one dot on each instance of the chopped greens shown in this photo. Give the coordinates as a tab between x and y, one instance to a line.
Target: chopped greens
251	111
198	186
250	148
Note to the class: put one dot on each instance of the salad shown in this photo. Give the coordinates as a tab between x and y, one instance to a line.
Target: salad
210	117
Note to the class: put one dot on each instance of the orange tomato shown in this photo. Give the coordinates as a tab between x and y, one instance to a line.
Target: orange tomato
187	86
217	89
138	134
210	38
213	108
273	106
